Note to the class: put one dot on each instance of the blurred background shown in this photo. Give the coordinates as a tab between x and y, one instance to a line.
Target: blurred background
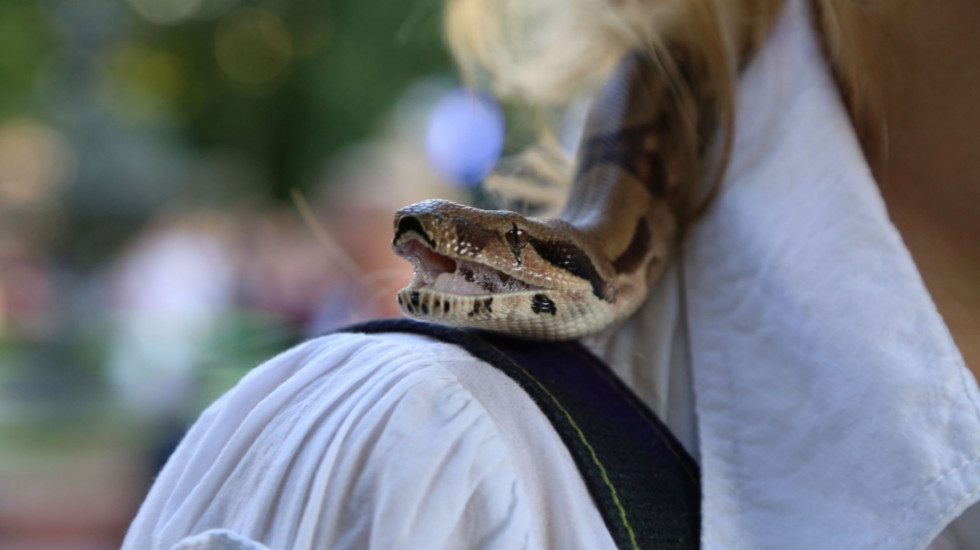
188	187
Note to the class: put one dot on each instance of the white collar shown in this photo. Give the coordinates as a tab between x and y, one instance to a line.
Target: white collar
834	410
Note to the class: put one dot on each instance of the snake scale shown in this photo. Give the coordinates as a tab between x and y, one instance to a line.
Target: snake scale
590	267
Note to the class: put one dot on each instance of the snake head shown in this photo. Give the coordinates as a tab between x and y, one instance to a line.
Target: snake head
498	270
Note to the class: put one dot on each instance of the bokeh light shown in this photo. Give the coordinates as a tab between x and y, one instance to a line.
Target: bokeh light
466	135
142	83
34	161
166	12
253	47
172	287
215	8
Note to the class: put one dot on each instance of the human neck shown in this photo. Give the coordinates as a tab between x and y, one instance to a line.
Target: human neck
929	167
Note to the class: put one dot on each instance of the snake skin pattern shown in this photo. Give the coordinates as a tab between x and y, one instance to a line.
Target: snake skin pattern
592	266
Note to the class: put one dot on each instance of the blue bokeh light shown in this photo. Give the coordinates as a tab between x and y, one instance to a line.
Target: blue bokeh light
466	135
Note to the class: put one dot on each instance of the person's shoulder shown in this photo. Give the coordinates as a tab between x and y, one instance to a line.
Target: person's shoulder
353	354
357	430
343	362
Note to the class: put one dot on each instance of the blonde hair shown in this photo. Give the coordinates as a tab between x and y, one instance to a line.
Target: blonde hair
547	53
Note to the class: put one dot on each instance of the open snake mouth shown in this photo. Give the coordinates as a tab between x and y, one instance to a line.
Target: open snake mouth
454	275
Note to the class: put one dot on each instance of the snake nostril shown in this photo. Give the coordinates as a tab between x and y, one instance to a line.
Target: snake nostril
411	224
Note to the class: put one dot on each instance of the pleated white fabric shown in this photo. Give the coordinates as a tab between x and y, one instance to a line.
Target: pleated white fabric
357	441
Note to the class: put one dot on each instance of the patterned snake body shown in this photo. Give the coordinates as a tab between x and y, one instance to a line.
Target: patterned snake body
559	278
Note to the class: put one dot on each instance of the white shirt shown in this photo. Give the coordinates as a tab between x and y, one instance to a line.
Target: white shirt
791	346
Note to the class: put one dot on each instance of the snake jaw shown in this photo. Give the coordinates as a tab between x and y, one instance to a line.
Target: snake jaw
502	273
455	275
499	271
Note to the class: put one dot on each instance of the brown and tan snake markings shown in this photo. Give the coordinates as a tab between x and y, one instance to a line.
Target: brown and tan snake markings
481	306
634	254
593	265
541	304
634	151
568	256
471	237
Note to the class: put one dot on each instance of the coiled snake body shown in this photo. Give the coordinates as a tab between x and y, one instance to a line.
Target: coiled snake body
560	278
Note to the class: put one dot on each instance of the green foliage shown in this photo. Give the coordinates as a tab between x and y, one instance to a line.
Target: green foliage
25	40
349	62
285	83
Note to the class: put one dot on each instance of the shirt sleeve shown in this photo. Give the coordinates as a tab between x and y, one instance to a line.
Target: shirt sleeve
346	441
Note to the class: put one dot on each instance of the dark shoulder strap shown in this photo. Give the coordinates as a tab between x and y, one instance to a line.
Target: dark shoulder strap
646	486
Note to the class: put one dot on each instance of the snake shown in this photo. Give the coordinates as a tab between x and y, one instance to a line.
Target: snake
587	269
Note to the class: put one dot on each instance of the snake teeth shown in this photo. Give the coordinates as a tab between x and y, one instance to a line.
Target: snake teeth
456	276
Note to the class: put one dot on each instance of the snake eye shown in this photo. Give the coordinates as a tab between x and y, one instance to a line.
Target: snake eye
517	238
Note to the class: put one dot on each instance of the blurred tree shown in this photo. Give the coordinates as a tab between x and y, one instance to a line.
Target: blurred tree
182	101
289	83
25	40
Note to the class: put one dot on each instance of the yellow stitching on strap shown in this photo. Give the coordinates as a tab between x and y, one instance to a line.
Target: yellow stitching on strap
581	436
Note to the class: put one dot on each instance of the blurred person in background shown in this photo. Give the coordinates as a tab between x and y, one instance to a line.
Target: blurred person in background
172	284
172	287
811	343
